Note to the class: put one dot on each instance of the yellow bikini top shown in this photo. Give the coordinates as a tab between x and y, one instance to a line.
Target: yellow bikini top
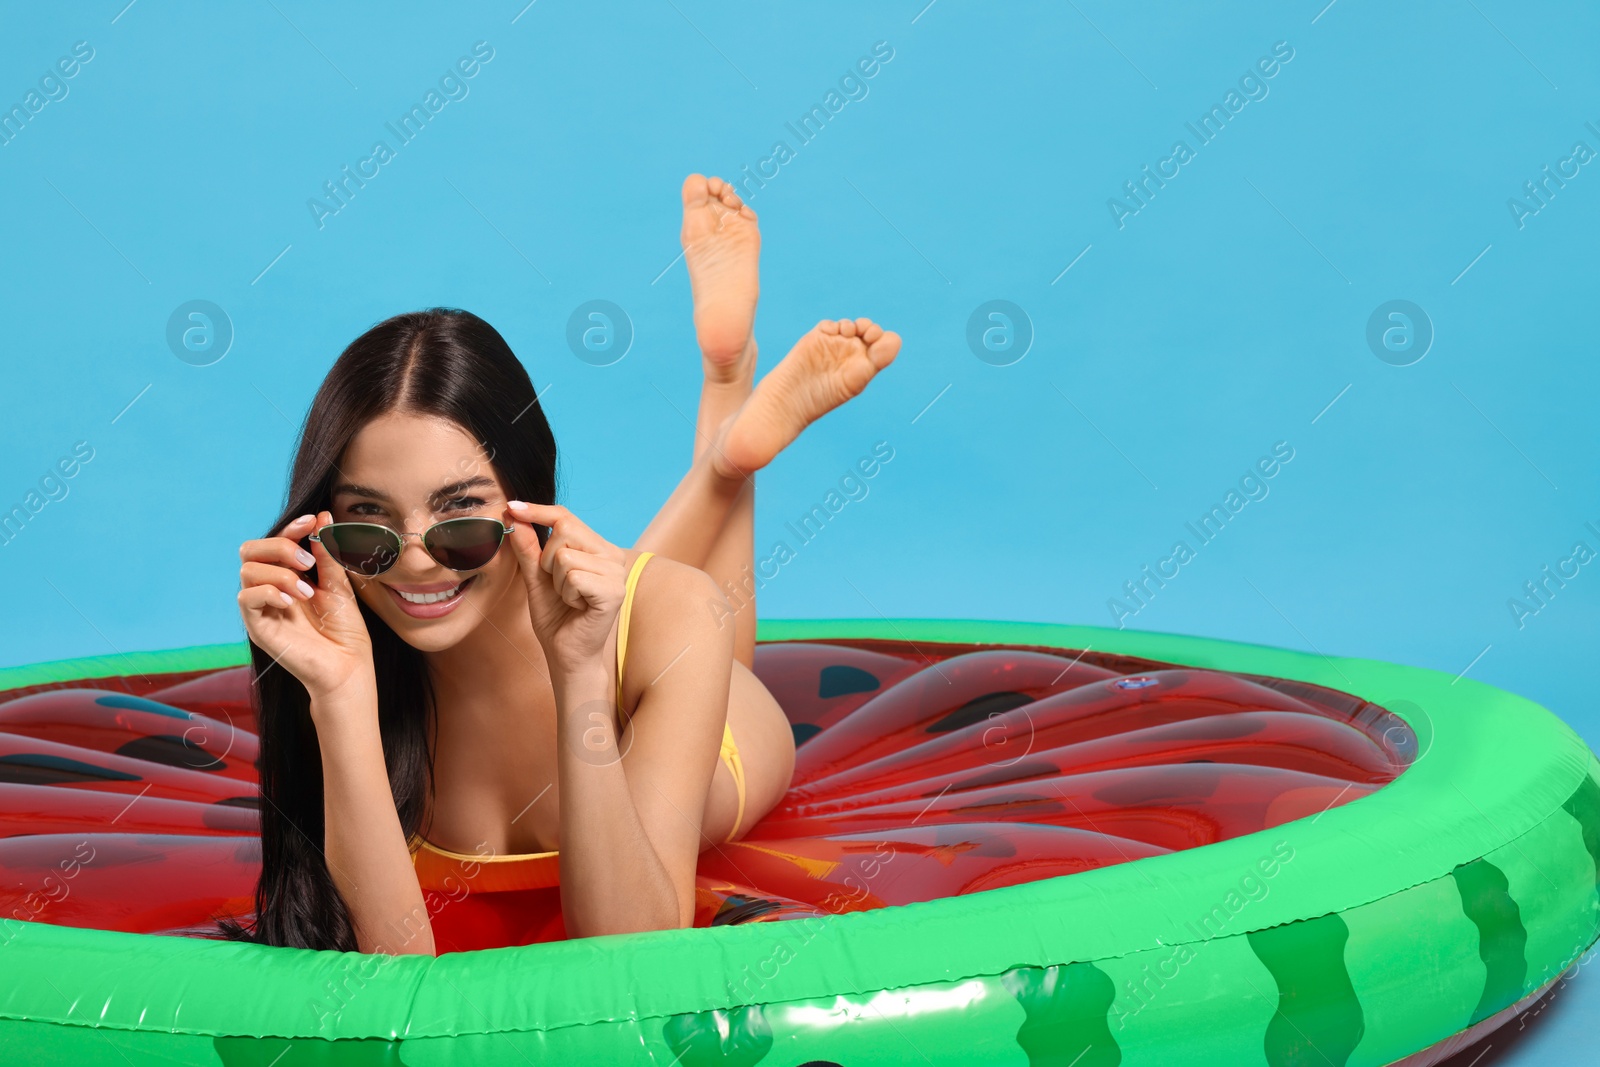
443	862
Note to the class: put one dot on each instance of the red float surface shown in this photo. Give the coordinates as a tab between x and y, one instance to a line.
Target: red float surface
922	771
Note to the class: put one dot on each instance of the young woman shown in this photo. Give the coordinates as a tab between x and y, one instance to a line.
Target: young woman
447	659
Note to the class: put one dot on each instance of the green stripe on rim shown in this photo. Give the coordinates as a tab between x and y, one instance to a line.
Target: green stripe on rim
1550	875
1066	1008
1502	939
1318	1017
1584	807
1494	768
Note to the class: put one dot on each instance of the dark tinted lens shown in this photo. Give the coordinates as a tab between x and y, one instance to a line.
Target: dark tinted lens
361	547
464	544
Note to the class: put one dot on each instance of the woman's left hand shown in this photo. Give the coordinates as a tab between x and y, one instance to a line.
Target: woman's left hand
575	584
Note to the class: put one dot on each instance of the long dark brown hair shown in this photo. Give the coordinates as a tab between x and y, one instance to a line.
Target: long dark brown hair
444	362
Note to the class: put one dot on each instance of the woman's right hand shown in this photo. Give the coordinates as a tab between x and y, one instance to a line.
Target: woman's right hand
315	632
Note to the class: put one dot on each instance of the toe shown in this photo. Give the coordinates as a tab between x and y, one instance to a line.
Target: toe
694	189
869	330
847	327
827	326
883	351
731	198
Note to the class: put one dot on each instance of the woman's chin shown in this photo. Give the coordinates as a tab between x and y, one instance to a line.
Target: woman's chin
432	638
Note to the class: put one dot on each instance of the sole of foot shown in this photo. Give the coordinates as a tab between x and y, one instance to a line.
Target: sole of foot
829	365
722	249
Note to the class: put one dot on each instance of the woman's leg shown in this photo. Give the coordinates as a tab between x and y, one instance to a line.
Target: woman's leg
709	521
697	525
766	751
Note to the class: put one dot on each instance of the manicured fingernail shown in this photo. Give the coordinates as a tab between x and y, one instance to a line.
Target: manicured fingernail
516	505
302	520
305	590
305	558
288	601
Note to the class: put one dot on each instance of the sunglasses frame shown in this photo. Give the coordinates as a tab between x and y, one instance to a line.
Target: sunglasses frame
401	535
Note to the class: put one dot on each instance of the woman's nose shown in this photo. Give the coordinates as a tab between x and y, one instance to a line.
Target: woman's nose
419	559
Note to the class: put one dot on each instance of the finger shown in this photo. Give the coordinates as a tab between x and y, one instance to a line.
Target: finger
298	528
543	514
590	588
585	589
557	539
331	577
558	563
258	598
565	527
568	530
282	551
570	561
261	574
524	542
525	545
573	536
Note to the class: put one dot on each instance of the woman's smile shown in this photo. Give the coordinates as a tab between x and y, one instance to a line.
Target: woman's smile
430	601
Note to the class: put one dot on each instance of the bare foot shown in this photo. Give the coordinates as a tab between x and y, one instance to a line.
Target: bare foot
721	246
828	366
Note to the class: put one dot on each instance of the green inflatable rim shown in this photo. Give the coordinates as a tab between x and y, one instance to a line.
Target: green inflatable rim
1493	766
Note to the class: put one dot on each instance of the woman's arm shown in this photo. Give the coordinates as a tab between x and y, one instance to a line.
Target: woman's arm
612	878
316	633
363	842
630	807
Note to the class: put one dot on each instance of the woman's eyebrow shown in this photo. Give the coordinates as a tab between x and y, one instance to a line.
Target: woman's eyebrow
348	489
457	488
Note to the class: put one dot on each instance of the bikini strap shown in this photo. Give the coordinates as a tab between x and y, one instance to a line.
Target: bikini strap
623	617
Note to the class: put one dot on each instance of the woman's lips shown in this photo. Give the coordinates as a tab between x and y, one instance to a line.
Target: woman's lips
436	610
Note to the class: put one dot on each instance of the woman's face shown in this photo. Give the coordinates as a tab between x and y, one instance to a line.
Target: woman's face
408	471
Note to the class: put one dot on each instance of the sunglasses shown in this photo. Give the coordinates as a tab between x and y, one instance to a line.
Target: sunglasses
369	549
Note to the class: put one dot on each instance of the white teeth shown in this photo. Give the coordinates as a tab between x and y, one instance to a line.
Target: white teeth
428	598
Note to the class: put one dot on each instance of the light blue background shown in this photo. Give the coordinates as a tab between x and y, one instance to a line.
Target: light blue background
1225	316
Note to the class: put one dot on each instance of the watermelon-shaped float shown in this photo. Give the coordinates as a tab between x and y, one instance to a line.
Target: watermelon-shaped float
1004	844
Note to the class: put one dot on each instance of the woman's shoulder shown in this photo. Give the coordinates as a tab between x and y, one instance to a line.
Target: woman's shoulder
662	576
666	583
674	599
681	632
